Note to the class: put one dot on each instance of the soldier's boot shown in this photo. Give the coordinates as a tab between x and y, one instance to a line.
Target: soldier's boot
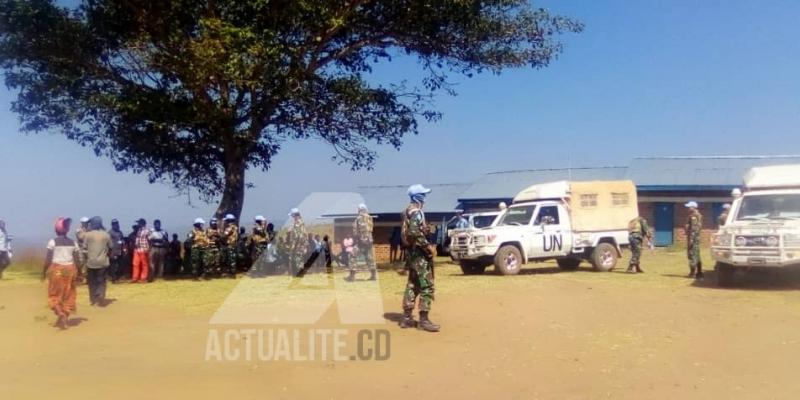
372	275
425	324
699	275
639	269
351	276
631	269
691	272
408	320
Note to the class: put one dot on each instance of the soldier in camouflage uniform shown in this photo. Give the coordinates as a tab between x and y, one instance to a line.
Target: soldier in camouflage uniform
638	231
419	262
694	225
211	259
362	231
298	244
198	246
257	243
80	235
230	241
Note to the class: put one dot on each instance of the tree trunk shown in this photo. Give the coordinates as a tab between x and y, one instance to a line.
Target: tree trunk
233	194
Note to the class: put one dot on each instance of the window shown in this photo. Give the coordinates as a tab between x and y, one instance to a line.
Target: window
482	221
589	200
520	215
619	199
547	214
769	207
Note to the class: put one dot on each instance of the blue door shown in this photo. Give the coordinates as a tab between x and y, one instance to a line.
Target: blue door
664	222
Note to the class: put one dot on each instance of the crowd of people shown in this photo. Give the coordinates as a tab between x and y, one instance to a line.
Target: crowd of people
221	249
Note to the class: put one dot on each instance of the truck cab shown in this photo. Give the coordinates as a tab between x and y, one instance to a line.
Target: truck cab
762	229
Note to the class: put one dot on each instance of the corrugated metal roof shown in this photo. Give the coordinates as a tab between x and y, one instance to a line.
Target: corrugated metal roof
317	205
392	199
506	184
722	172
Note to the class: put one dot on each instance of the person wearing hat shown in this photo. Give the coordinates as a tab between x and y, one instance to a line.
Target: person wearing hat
159	241
694	225
419	262
199	245
61	273
726	209
362	231
257	243
298	246
230	239
117	248
98	246
211	260
141	253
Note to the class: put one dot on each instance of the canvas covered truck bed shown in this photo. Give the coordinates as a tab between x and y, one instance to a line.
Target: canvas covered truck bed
593	205
773	177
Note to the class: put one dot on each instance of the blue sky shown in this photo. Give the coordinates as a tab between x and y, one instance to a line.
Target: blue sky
645	78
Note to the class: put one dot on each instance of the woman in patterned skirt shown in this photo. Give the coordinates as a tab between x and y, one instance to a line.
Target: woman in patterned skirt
61	273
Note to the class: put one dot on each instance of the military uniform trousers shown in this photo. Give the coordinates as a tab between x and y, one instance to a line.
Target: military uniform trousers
420	281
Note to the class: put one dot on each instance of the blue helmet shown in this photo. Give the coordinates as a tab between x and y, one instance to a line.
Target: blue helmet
417	193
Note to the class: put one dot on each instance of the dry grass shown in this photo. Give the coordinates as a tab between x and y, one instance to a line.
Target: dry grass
665	269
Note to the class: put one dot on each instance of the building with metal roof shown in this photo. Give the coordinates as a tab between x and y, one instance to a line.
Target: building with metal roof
492	188
665	184
697	173
391	199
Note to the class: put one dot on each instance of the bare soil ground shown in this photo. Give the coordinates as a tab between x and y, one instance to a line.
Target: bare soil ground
543	334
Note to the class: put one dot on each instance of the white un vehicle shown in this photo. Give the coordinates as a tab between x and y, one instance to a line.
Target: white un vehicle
763	226
564	221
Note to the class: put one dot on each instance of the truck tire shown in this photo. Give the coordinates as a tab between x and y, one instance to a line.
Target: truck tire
604	257
472	267
508	260
725	275
569	264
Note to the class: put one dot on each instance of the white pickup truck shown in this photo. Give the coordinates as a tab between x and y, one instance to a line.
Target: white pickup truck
762	229
475	221
566	221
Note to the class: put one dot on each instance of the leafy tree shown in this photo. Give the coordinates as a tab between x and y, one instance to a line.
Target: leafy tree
195	92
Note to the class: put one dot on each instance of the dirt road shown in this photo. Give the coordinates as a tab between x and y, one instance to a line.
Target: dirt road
545	335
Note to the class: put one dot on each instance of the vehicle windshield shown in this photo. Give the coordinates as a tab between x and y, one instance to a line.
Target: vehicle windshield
517	215
769	207
482	221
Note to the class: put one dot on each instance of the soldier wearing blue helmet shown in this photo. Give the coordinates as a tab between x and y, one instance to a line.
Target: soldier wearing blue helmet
419	263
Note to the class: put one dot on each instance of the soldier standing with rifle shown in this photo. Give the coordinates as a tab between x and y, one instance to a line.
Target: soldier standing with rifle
199	244
230	239
211	260
362	230
419	263
257	243
298	244
694	225
638	231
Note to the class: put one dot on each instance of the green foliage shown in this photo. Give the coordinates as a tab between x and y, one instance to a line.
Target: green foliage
194	92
